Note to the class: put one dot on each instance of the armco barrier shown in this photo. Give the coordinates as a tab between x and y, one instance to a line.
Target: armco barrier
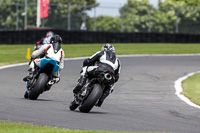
73	37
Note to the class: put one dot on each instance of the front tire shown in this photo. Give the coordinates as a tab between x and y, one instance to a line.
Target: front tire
91	99
39	86
26	95
73	105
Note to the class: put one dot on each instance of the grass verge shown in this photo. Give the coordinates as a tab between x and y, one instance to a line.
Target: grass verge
191	88
11	54
26	128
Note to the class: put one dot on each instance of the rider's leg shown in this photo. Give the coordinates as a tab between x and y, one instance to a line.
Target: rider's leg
30	70
85	72
81	81
108	90
55	78
29	77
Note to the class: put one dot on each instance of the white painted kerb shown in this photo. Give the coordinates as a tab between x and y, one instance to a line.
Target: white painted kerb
179	89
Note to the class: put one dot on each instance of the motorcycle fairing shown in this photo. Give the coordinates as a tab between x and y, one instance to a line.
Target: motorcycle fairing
51	61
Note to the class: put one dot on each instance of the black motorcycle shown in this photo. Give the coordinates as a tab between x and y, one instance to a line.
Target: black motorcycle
91	92
42	79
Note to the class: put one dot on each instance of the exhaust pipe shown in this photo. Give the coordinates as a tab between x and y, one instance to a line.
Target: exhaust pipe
108	76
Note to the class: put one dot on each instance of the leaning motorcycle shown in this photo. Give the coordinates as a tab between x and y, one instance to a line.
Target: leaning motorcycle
42	79
91	92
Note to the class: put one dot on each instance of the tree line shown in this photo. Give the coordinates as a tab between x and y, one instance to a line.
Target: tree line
171	16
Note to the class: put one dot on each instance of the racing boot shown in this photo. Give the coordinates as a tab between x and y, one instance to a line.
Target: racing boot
53	80
103	97
80	84
30	76
31	71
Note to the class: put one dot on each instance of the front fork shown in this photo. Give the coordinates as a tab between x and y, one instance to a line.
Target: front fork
31	83
82	95
28	86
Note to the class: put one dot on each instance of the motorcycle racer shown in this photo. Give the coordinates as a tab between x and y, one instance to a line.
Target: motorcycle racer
50	51
103	60
44	40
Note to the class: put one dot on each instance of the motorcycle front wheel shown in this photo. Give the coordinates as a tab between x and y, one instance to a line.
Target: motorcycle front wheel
73	105
39	86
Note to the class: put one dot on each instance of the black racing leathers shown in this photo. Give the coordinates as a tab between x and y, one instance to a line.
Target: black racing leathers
106	61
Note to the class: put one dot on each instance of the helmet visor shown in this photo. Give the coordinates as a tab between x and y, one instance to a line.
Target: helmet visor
56	47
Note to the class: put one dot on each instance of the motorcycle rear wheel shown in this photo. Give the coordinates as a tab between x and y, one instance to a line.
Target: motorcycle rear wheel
89	103
39	86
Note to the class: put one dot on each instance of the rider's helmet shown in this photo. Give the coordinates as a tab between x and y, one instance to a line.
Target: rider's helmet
56	41
48	37
49	34
108	47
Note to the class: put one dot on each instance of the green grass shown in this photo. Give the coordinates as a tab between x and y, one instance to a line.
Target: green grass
11	54
158	48
136	48
6	127
191	88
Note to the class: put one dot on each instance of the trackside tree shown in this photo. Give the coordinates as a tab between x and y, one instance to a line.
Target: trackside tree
13	11
171	16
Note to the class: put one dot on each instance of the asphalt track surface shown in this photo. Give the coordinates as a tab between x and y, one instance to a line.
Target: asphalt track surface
143	99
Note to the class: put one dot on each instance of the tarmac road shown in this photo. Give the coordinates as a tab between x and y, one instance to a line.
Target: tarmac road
143	100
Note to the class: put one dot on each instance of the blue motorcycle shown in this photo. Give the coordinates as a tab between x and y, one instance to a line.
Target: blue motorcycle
42	79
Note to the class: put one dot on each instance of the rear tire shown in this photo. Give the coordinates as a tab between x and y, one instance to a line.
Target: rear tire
91	99
39	86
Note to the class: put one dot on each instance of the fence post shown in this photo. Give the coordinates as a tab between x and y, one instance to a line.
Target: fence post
95	28
25	17
177	15
17	15
149	20
69	16
84	13
122	23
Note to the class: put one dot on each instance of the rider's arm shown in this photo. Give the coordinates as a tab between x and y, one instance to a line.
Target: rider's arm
42	49
62	60
117	71
95	57
41	41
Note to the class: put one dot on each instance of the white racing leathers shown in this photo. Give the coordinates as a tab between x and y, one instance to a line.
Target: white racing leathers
48	50
47	40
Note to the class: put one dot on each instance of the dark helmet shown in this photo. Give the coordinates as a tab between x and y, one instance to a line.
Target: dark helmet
56	41
49	34
108	47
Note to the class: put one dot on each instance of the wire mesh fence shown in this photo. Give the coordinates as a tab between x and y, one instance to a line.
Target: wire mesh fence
76	17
